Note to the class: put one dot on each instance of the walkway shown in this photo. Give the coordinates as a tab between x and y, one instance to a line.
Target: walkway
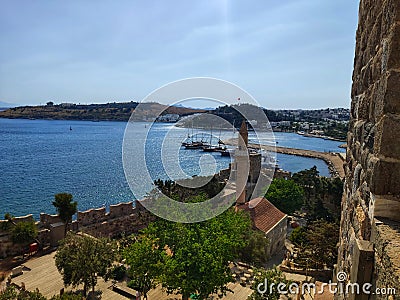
42	273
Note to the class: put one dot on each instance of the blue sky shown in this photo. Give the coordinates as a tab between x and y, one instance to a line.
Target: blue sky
287	54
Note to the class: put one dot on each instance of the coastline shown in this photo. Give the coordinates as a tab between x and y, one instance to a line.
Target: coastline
334	161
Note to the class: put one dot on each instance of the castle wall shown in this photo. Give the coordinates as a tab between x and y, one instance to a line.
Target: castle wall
370	236
123	219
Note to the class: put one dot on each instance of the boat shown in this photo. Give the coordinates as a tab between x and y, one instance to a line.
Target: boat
226	152
193	145
208	148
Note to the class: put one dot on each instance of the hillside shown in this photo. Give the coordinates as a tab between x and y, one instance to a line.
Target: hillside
101	112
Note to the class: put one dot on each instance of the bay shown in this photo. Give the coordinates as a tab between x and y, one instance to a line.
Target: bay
39	158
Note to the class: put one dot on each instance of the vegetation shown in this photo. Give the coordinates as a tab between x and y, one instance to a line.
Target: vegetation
108	111
65	208
286	195
298	236
118	272
269	277
81	259
255	252
24	232
312	252
180	192
189	258
67	296
145	260
322	195
7	225
12	293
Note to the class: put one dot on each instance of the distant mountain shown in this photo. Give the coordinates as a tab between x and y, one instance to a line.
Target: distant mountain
190	107
7	105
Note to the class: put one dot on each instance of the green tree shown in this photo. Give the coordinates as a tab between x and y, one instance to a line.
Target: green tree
262	284
314	253
81	259
298	236
196	255
310	181
286	195
24	232
255	253
144	258
11	293
9	221
65	208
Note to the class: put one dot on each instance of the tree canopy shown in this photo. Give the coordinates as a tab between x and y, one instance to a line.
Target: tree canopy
81	259
265	284
193	257
65	207
145	260
312	252
24	232
255	252
286	195
12	293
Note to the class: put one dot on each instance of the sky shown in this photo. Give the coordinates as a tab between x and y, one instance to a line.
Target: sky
287	54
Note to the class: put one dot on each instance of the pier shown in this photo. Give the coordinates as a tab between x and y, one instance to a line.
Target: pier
335	161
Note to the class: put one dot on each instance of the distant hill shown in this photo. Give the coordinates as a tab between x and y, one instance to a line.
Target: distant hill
94	112
4	105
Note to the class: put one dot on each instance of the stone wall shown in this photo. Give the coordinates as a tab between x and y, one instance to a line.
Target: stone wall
276	237
370	237
94	215
122	219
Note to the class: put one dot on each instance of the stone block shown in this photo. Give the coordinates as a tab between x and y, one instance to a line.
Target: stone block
362	266
17	271
387	142
392	94
393	59
363	106
387	207
385	176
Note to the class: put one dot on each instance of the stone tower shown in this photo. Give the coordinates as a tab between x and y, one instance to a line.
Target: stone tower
242	164
370	224
247	166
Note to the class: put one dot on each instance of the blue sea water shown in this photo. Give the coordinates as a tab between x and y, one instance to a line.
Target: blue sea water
39	158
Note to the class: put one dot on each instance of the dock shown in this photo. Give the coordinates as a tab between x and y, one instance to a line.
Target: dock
335	161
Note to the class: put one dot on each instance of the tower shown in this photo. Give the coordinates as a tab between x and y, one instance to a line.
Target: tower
242	164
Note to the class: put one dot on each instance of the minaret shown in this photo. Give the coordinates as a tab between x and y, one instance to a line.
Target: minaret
242	164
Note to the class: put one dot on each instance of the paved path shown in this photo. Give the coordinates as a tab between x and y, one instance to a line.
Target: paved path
42	273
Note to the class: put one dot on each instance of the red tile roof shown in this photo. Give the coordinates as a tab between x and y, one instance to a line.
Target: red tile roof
263	213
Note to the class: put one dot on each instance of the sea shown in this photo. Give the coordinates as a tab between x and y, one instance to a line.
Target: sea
40	158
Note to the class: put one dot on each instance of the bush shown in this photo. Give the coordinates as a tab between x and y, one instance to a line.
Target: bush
118	272
24	232
67	296
298	236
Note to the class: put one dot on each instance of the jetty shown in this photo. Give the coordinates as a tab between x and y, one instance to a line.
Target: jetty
335	161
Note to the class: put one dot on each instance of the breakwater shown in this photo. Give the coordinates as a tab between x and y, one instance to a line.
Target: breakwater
334	160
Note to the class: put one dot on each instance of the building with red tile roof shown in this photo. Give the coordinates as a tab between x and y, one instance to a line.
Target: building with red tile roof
268	219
